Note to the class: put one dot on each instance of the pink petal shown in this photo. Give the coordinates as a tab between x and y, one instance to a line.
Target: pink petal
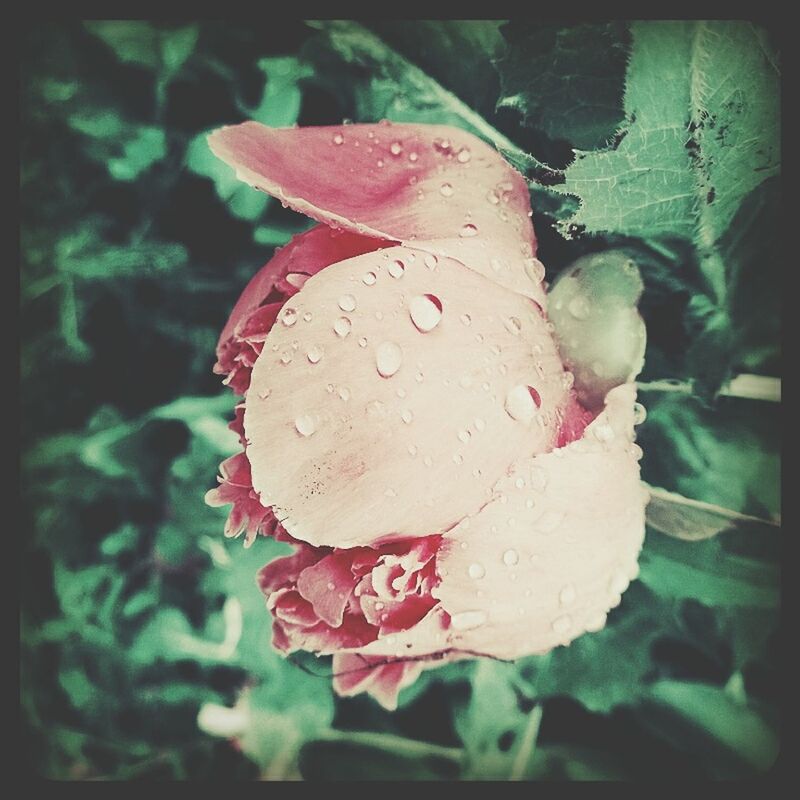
354	674
328	585
283	572
289	606
437	187
555	549
366	457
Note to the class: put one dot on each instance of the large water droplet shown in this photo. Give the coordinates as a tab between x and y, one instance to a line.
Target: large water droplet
388	358
425	311
369	278
510	558
468	230
305	425
467	620
396	269
314	354
395	148
342	327
639	413
289	317
446	190
520	403
476	571
347	302
464	155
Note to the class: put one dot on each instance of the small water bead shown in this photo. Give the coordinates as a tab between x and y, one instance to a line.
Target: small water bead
388	359
314	354
446	190
379	163
419	377
407	416
562	624
430	261
513	325
603	433
639	413
476	571
412	449
344	393
369	278
467	620
289	317
342	326
579	307
468	230
347	302
520	483
338	138
395	148
330	387
425	311
305	425
362	342
520	403
412	157
479	424
265	394
529	503
286	357
493	197
427	461
458	458
307	317
442	145
379	315
396	269
464	155
479	338
510	558
567	595
464	435
496	264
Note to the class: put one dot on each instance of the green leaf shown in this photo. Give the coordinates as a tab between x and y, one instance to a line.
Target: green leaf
567	82
147	146
133	41
702	108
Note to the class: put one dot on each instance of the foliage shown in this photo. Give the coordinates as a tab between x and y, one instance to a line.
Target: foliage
145	644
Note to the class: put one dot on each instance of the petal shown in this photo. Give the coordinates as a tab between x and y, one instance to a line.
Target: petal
600	334
437	187
552	553
354	674
327	585
285	571
385	431
289	606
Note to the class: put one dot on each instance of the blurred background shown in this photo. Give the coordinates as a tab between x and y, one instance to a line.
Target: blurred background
145	643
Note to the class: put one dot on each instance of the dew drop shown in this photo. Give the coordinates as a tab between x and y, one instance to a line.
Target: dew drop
401	393
427	461
369	278
464	155
446	190
513	325
534	269
419	377
480	424
603	433
467	620
458	458
347	302
412	449
344	393
425	311
430	261
476	571
464	435
338	138
442	145
362	342
639	413
579	307
412	157
496	264
305	425
388	358
520	403
510	558
265	394
289	317
396	269
342	327
493	197
286	357
468	230
407	416
314	354
520	483
395	148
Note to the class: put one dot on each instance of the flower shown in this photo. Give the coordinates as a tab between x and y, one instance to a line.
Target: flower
410	422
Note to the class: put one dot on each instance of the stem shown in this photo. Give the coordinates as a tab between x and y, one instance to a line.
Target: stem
748	387
393	744
527	747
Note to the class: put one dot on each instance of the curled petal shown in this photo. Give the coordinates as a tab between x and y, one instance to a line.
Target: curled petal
377	393
555	548
354	674
436	187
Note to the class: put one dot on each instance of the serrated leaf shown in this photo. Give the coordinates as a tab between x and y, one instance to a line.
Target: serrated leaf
702	108
567	82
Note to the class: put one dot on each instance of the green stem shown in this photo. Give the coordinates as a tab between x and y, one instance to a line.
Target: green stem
393	744
748	387
527	747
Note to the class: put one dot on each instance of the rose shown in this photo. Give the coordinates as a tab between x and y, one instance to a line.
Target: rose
410	422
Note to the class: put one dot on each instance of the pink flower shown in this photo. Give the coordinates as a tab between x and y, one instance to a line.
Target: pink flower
409	422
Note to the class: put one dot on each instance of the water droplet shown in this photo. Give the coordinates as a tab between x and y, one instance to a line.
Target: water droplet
529	503
412	449
579	307
442	145
464	155
289	317
430	261
468	230
467	620
412	157
479	424
520	483
344	393
425	311
464	435
419	377
379	606
567	595
446	190
407	416
330	387
395	148
286	357
476	571
396	269
567	380
618	582
510	558
265	394
401	393
427	461
347	302
639	413
362	342
297	279
513	325
388	358
305	425
338	138
379	163
497	264
493	197
521	404
369	278
534	269
314	354
603	433
342	327
562	624
458	458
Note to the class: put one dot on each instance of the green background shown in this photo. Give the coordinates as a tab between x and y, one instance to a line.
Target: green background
136	614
